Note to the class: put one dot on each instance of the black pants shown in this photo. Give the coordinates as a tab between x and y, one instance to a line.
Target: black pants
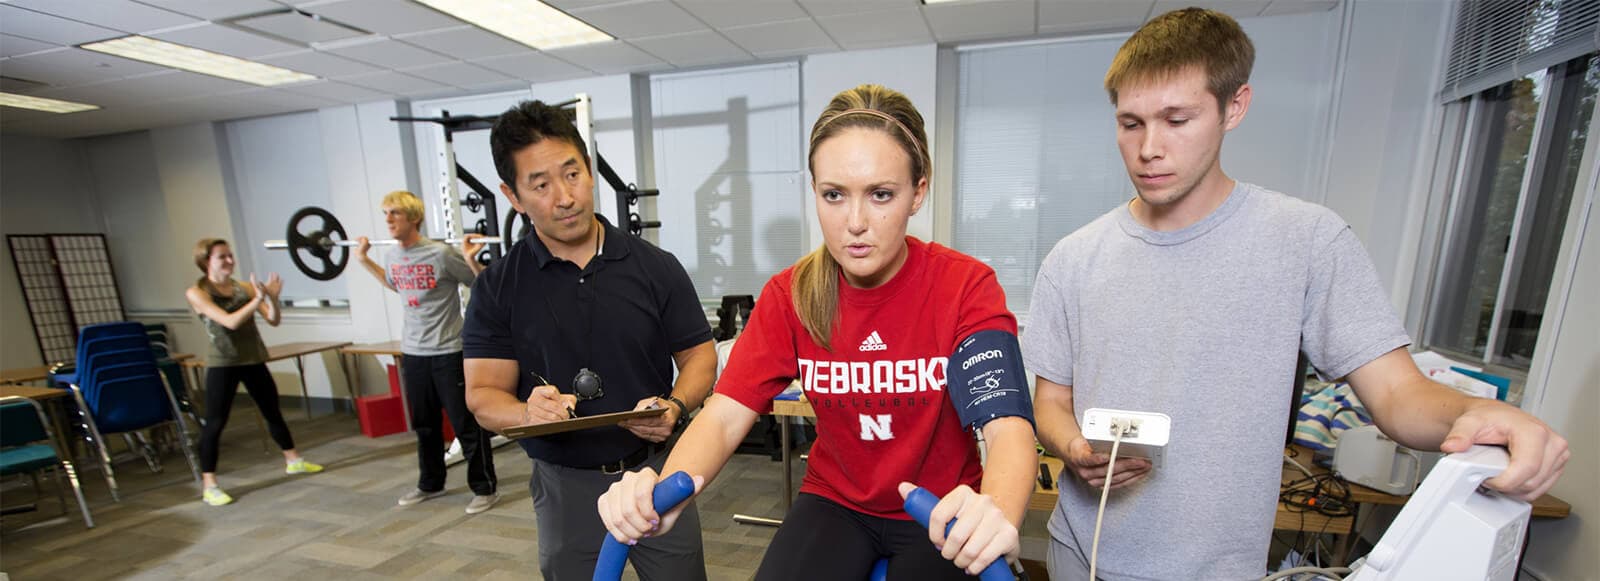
820	539
221	384
434	383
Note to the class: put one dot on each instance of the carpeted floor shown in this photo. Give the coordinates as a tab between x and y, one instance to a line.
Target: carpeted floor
340	524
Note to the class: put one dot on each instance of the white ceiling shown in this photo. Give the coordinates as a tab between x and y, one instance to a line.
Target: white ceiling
412	51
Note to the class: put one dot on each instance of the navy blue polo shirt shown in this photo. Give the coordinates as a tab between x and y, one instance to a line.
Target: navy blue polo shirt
622	316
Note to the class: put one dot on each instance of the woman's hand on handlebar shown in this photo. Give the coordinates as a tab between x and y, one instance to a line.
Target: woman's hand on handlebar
627	507
981	533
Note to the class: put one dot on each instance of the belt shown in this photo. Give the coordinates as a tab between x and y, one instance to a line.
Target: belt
629	462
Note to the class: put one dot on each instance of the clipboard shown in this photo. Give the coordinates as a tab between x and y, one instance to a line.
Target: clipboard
579	423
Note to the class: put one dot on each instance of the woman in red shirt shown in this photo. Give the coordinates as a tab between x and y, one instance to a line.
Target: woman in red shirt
867	325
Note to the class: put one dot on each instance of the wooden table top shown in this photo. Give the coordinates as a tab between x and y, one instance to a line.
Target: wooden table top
384	348
19	375
1546	506
298	348
33	392
285	351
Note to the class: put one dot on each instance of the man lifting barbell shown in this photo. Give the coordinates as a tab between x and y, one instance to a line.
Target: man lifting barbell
319	254
427	274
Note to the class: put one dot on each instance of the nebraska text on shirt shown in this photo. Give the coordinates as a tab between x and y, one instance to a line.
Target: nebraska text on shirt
883	376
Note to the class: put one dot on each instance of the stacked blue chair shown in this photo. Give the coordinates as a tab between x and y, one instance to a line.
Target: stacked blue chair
120	389
22	427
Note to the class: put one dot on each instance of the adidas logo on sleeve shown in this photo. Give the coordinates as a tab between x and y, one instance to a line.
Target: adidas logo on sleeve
873	343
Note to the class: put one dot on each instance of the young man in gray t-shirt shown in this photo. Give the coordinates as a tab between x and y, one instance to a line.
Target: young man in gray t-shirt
1192	300
429	274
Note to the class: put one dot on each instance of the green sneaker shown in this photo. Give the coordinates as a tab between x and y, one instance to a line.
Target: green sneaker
301	466
215	497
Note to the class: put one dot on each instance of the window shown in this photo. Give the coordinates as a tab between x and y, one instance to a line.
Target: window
1523	144
729	167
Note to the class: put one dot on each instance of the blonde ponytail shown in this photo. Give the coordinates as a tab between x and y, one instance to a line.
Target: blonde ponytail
816	295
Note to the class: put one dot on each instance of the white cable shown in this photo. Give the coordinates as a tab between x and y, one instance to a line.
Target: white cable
1105	491
1325	573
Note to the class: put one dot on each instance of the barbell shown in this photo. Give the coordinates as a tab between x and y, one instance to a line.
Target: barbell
322	243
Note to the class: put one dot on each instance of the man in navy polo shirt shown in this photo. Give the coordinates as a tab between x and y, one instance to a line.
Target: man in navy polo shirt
580	297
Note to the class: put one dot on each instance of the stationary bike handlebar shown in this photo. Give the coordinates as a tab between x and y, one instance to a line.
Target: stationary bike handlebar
920	503
668	493
679	487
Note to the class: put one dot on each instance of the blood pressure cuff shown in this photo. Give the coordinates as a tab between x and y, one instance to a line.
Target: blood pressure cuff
985	379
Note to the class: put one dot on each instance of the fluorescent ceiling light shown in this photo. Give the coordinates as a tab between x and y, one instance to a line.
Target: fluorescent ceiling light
42	104
177	56
529	22
939	1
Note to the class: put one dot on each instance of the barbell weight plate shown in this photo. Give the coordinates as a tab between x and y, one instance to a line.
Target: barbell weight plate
320	244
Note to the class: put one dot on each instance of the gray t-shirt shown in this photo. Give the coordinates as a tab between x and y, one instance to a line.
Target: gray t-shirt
1202	324
428	276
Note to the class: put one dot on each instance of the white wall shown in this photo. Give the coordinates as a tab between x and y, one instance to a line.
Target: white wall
43	189
912	70
164	189
1565	549
1382	138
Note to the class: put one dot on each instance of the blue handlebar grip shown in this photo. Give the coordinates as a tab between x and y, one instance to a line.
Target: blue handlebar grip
920	503
668	493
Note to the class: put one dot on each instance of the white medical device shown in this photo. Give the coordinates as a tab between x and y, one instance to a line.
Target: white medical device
1452	528
1367	457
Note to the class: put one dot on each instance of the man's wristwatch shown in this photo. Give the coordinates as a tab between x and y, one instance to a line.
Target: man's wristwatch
683	411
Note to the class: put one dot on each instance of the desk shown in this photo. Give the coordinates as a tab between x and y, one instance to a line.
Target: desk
782	409
33	392
25	375
297	350
1286	519
46	397
353	369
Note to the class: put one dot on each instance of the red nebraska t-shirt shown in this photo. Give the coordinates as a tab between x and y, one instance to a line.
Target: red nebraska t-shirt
882	413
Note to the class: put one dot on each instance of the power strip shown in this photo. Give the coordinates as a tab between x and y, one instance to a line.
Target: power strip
1145	437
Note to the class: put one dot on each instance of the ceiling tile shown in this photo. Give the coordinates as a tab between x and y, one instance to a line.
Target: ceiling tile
821	8
694	48
571	4
216	9
465	43
506	85
321	64
124	15
15	45
228	41
393	82
20	86
391	54
10	115
298	27
146	89
73	66
897	26
729	13
337	91
777	39
383	16
1234	8
608	57
640	19
44	27
534	67
458	74
1096	15
1281	7
967	21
